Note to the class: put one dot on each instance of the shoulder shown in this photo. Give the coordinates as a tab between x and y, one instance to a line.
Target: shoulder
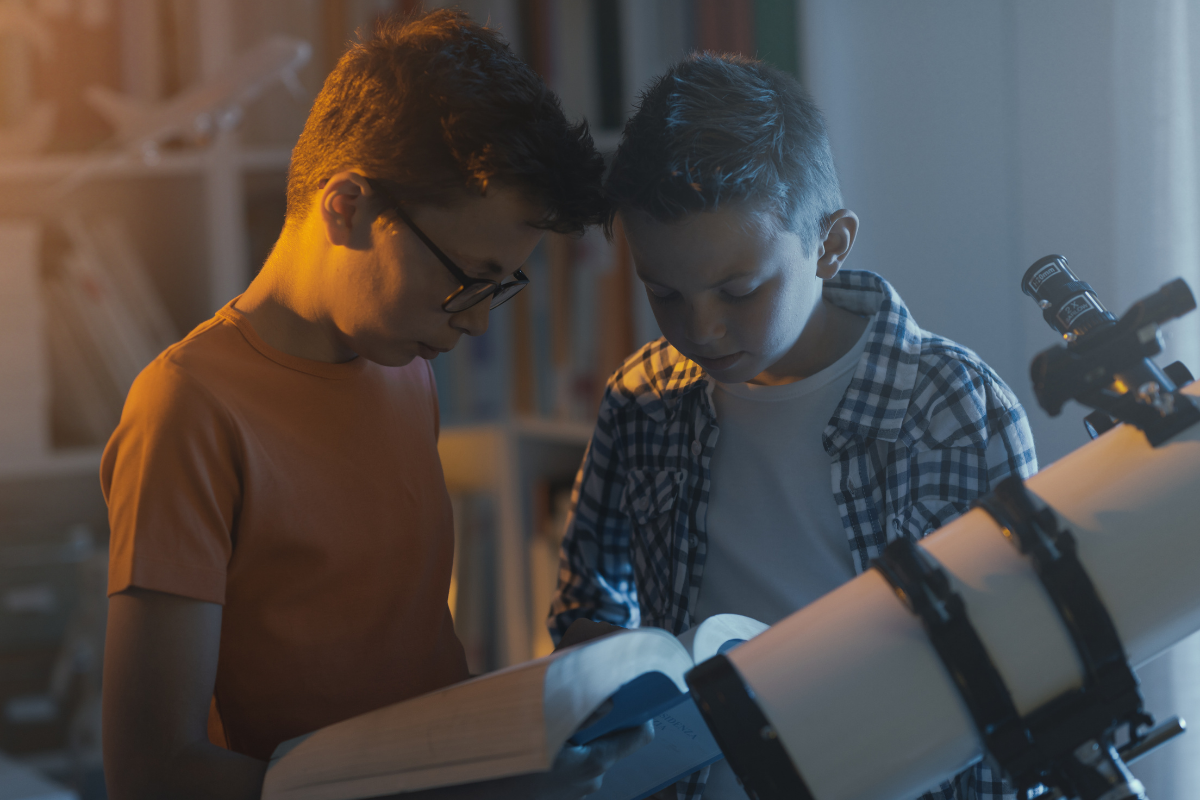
944	393
956	397
210	345
181	380
652	379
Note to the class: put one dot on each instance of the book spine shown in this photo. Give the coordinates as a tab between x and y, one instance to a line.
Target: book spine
776	33
615	338
725	26
606	16
24	379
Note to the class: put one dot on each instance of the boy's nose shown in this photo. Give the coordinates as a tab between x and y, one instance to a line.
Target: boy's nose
472	321
704	326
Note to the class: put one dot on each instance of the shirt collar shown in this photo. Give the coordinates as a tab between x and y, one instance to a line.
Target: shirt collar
875	405
669	376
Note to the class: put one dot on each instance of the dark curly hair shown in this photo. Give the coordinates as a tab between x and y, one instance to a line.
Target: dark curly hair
436	104
720	130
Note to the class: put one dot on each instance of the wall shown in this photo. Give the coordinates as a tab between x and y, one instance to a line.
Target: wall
974	138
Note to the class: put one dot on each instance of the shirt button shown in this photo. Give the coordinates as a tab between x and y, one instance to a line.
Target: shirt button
693	541
696	447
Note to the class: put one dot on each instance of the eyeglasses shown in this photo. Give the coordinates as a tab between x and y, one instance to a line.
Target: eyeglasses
471	291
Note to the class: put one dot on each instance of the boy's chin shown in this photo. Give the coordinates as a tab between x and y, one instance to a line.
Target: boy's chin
739	368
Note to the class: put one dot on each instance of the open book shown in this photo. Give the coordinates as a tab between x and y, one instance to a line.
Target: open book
514	721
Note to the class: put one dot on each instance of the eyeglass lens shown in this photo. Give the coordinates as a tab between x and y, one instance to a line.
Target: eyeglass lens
475	293
507	293
469	295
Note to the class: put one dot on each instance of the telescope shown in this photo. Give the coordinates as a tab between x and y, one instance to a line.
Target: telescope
1011	633
1105	362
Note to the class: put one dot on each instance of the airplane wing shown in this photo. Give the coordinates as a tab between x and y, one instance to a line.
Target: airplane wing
133	120
215	102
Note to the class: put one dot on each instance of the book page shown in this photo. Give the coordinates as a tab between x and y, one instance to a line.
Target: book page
603	666
509	722
719	633
488	727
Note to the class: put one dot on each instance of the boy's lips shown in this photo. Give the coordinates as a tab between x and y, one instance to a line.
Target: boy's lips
718	364
429	352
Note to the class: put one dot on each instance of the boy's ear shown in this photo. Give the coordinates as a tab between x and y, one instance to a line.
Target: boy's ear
831	256
342	208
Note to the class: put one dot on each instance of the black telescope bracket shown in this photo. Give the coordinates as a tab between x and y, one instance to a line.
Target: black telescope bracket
1068	746
1109	369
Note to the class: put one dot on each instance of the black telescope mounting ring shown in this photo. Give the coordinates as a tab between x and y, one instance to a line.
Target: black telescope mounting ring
924	587
1042	747
743	732
1109	697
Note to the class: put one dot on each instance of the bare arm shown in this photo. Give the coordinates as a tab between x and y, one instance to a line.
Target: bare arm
160	665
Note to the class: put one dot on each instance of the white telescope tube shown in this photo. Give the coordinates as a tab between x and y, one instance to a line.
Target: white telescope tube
858	696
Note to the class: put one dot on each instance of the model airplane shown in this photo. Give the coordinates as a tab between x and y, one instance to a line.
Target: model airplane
31	134
214	105
16	18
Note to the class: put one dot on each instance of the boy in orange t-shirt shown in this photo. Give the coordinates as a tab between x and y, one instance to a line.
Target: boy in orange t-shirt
281	531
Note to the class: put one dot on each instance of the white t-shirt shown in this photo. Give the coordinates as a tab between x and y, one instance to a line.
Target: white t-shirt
775	537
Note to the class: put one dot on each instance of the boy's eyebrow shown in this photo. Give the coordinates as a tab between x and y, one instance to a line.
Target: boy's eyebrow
487	269
730	279
721	282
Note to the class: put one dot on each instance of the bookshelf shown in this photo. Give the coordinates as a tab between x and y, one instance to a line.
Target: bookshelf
197	216
185	209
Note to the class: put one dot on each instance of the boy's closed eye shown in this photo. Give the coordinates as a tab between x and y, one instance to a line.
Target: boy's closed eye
738	291
661	292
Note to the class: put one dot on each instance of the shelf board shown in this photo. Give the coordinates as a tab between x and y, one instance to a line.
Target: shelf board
265	158
541	429
553	430
476	457
54	464
115	163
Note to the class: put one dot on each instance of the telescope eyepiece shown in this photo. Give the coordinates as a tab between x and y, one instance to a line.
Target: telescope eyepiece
1069	305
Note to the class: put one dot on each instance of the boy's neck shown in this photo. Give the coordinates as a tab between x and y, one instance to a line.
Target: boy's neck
284	303
829	334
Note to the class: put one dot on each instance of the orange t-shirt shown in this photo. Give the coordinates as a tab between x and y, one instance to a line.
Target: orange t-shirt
307	498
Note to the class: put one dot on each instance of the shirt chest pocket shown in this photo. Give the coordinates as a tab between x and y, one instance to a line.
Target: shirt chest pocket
650	502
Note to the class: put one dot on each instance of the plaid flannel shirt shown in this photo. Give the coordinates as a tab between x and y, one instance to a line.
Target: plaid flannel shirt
924	428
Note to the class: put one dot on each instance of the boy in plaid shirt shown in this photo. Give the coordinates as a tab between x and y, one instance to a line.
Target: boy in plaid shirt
793	418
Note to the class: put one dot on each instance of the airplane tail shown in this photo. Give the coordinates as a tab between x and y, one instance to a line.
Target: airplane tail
127	116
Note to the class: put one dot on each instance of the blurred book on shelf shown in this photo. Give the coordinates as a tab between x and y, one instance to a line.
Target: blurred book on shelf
24	375
472	586
552	506
549	352
105	323
85	42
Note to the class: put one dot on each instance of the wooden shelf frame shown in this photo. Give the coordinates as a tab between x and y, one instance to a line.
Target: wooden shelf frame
505	460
